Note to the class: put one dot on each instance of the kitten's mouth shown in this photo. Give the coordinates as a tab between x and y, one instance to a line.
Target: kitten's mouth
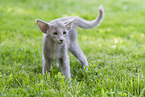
60	42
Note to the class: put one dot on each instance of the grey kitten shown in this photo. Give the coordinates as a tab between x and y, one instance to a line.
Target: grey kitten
60	35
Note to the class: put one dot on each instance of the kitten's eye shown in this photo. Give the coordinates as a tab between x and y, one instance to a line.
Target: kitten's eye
55	33
64	32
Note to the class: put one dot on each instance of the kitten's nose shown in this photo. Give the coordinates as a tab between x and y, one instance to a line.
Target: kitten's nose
61	40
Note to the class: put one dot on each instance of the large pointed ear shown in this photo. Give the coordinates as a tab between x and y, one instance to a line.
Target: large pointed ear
70	23
44	26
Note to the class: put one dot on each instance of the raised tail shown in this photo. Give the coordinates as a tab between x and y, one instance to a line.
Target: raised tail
90	24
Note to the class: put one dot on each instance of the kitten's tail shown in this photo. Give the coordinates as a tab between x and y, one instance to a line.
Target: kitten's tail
90	24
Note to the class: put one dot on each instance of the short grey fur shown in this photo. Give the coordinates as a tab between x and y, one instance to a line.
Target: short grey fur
60	35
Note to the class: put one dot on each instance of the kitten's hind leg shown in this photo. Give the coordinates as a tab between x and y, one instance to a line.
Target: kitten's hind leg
77	52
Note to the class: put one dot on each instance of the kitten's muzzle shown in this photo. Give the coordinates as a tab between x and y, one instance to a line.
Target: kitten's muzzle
61	41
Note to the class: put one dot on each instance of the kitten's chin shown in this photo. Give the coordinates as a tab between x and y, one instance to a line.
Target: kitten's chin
60	43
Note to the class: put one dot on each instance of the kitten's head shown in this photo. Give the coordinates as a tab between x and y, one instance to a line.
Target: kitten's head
56	30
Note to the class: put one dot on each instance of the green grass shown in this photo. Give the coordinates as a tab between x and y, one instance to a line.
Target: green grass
115	50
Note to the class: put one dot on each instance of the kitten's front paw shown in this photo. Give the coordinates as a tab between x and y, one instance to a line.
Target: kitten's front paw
57	64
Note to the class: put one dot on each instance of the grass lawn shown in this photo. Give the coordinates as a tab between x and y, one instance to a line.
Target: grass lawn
115	50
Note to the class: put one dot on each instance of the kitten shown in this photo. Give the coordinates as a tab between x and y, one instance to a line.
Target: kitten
60	35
